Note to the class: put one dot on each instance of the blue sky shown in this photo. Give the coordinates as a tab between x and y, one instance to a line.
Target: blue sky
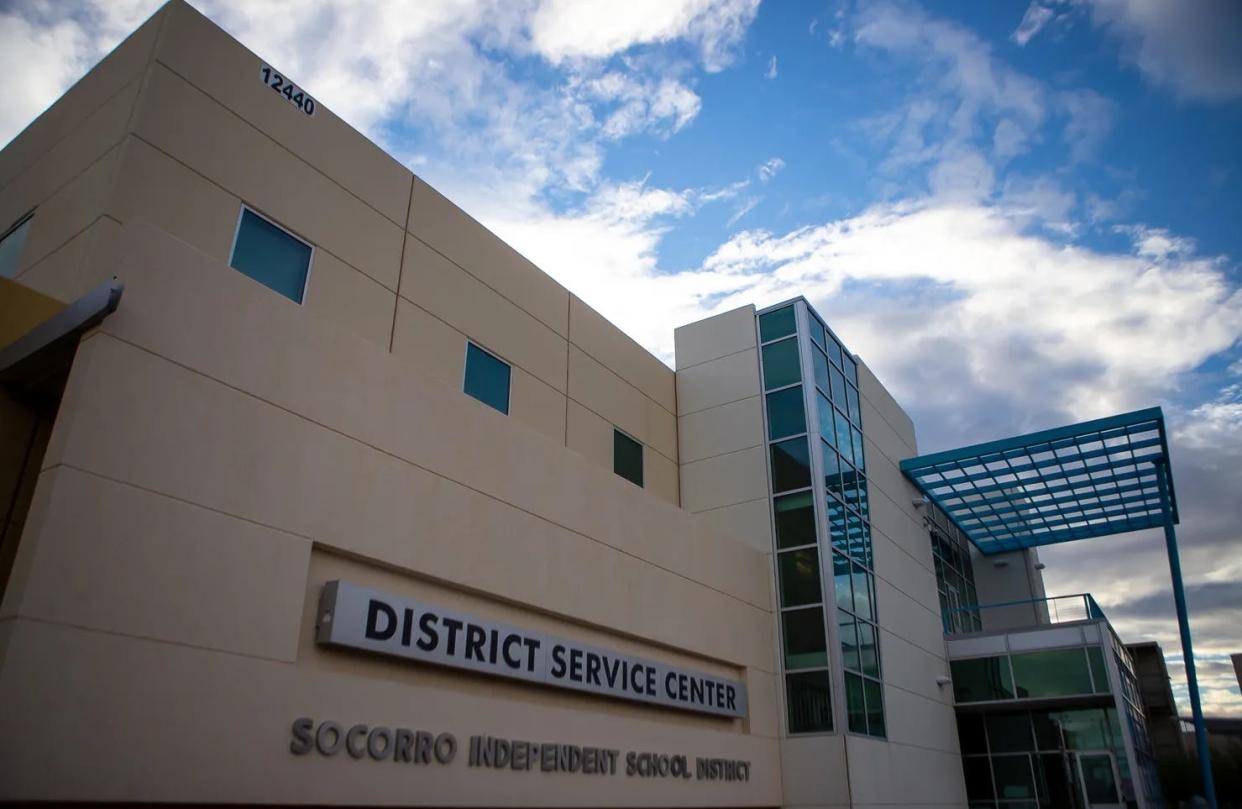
1018	215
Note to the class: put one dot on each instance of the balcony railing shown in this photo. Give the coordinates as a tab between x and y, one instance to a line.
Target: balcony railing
1043	611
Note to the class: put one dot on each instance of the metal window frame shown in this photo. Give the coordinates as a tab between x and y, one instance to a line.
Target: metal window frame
310	262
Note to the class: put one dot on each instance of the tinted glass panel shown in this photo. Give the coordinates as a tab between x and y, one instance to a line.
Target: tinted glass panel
841	577
855	704
810	702
11	246
799	577
805	646
821	369
981	679
795	520
271	256
1056	784
868	654
777	324
487	378
1013	777
1047	731
786	415
1085	729
874	693
817	331
832	468
791	468
858	449
780	364
970	733
851	368
862	593
851	399
978	772
847	627
843	442
834	351
836	523
826	426
1010	732
1099	674
627	457
1051	673
1097	777
838	388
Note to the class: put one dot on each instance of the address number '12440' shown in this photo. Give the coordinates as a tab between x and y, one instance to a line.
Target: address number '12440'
293	94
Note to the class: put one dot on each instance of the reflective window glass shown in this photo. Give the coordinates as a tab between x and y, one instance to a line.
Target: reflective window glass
851	399
862	593
1099	674
855	703
851	368
795	520
799	577
1084	729
777	324
820	361
981	679
809	700
791	466
1010	732
847	628
827	427
1047	731
1013	777
271	255
844	441
841	579
832	467
834	351
780	364
874	693
1051	673
627	457
858	449
838	388
836	524
11	245
868	652
786	414
487	378
805	643
817	331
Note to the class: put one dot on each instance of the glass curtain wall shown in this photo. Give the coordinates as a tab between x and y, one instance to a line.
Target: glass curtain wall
955	575
824	563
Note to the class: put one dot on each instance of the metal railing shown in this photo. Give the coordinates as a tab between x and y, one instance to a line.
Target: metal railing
1044	611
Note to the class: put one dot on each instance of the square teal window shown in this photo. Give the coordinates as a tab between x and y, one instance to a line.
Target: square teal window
791	465
271	255
11	245
795	520
487	378
806	645
780	364
786	413
799	577
809	699
627	457
776	324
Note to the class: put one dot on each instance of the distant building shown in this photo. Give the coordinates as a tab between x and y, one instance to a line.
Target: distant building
1163	724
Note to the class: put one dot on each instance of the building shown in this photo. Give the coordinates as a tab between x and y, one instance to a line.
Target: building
308	475
1164	726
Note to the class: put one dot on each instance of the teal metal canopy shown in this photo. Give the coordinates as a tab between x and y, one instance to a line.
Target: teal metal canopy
1085	480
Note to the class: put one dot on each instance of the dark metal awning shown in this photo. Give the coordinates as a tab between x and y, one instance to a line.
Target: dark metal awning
1085	480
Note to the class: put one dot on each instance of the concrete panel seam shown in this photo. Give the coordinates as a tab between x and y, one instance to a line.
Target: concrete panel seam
569	398
65	243
730	452
722	404
608	368
716	359
283	147
732	505
347	436
405	237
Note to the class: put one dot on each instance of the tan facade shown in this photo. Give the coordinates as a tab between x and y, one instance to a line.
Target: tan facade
220	452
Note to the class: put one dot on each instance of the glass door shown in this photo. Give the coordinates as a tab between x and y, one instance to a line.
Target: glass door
1098	776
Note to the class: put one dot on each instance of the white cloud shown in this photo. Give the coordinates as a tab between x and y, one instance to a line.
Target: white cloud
771	71
566	29
1091	117
1190	46
748	205
1033	21
770	169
